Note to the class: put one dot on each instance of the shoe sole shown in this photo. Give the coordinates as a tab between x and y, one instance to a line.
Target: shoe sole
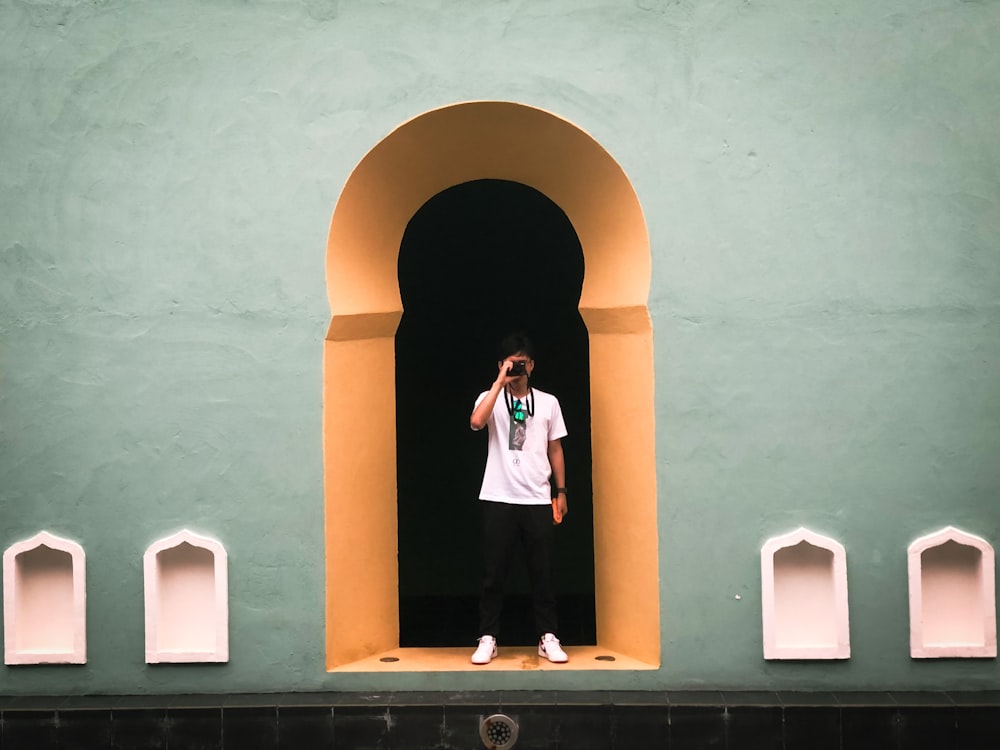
554	661
481	663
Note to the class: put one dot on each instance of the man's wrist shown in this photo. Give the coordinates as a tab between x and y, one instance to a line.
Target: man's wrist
560	490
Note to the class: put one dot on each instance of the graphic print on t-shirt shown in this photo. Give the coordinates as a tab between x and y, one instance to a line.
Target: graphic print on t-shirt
518	432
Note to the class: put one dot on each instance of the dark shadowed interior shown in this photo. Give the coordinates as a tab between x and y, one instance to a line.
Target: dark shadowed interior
478	261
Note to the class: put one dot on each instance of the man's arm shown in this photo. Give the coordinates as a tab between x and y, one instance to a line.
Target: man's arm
559	505
481	414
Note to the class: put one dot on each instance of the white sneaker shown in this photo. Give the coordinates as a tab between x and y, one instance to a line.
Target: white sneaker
486	651
549	647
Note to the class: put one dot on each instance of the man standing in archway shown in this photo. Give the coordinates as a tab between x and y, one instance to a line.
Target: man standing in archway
525	452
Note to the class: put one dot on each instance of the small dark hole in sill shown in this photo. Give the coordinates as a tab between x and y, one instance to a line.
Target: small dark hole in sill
389	658
604	657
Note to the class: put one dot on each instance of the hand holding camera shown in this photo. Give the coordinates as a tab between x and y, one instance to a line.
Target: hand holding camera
510	369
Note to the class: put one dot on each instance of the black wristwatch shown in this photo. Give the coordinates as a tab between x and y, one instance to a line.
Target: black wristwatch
560	490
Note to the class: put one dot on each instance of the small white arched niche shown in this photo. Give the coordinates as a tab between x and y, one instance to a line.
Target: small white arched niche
952	596
45	601
187	600
804	597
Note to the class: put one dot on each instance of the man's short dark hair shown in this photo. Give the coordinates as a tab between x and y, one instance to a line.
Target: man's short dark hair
517	343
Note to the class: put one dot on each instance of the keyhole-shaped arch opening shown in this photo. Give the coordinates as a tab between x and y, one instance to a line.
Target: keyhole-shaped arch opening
477	261
424	156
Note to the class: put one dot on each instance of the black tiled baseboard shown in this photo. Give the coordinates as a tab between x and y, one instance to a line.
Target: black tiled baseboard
545	719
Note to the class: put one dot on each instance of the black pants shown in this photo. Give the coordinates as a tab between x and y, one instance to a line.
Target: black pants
505	527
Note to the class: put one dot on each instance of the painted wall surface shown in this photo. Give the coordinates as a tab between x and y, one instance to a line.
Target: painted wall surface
821	183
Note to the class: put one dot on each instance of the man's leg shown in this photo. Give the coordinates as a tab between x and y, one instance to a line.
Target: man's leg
499	535
539	541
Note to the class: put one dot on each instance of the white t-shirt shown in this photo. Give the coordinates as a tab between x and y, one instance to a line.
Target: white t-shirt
517	463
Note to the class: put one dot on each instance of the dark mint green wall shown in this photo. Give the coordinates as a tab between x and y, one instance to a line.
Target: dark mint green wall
821	182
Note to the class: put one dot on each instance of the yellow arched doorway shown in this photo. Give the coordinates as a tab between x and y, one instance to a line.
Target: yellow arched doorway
432	152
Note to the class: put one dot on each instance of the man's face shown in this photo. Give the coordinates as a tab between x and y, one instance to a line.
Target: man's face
529	364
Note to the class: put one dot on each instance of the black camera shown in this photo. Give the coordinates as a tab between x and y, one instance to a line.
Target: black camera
518	367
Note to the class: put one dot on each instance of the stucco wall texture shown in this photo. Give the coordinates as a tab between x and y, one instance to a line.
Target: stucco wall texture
821	183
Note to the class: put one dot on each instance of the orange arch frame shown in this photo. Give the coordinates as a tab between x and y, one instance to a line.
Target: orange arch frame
422	157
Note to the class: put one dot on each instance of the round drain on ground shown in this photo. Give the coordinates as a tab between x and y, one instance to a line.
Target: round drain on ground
498	732
389	658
